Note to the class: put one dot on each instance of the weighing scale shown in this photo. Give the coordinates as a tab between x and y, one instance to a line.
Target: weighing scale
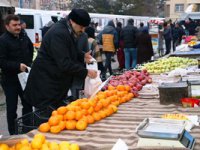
159	132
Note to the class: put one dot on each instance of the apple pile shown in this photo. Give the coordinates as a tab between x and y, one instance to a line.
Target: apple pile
135	79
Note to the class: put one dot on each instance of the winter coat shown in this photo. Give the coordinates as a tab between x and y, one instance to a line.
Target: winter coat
108	37
55	66
129	36
144	48
13	51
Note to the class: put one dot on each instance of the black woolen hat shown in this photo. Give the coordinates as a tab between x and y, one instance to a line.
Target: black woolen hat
80	16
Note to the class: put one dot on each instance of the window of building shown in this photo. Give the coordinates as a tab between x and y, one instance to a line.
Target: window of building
179	7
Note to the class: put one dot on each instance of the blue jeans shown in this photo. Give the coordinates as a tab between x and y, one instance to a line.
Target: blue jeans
130	57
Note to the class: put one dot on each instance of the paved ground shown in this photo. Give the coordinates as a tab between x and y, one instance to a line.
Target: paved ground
3	120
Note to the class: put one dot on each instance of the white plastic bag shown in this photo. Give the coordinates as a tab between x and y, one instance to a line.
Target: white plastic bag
23	77
91	85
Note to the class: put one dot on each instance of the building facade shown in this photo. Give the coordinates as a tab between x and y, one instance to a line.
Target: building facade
174	8
41	4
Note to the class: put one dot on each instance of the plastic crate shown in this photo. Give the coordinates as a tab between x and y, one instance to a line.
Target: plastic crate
32	120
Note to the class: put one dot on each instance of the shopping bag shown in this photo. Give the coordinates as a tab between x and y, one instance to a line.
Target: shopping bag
91	85
23	77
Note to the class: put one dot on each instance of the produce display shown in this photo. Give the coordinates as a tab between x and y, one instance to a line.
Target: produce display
135	79
192	43
168	64
39	142
175	116
78	114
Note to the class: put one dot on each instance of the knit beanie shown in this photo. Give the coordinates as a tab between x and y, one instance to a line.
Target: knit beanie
80	16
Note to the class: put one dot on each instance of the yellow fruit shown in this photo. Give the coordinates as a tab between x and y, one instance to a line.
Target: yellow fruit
25	148
18	146
45	147
40	136
74	147
4	147
53	146
24	142
64	145
36	143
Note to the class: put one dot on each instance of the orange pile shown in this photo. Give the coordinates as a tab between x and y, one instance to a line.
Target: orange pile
39	142
80	113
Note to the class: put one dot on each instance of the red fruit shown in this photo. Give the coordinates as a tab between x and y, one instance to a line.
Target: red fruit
140	77
144	70
138	86
149	80
134	88
143	82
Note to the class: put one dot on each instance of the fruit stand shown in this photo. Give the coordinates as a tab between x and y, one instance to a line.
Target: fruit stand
126	112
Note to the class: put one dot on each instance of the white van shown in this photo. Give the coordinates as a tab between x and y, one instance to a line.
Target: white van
35	20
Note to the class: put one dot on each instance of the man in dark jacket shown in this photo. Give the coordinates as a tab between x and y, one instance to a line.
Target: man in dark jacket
167	34
58	61
16	53
129	36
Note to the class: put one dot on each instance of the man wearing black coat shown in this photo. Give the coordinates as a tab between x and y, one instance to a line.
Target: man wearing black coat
16	53
58	61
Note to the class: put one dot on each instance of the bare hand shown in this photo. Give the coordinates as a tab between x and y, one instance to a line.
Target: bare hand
92	73
88	57
23	67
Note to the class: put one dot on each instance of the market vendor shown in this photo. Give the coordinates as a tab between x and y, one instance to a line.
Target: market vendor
57	62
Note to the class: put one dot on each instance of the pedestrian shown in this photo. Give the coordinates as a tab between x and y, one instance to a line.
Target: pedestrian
46	27
96	53
129	36
120	48
16	53
109	39
58	61
144	46
167	34
175	36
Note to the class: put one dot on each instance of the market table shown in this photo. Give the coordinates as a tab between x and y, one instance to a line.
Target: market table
193	53
104	134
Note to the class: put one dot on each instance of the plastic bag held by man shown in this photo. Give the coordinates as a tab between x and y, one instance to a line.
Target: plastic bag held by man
91	85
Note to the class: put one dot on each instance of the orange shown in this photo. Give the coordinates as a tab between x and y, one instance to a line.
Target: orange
70	115
116	103
105	102
96	116
98	107
18	146
79	115
4	147
101	96
109	111
120	88
102	113
85	112
44	127
62	110
127	88
54	113
113	107
84	118
130	95
90	110
81	125
60	117
53	121
62	125
110	87
85	105
71	125
93	102
55	129
90	119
